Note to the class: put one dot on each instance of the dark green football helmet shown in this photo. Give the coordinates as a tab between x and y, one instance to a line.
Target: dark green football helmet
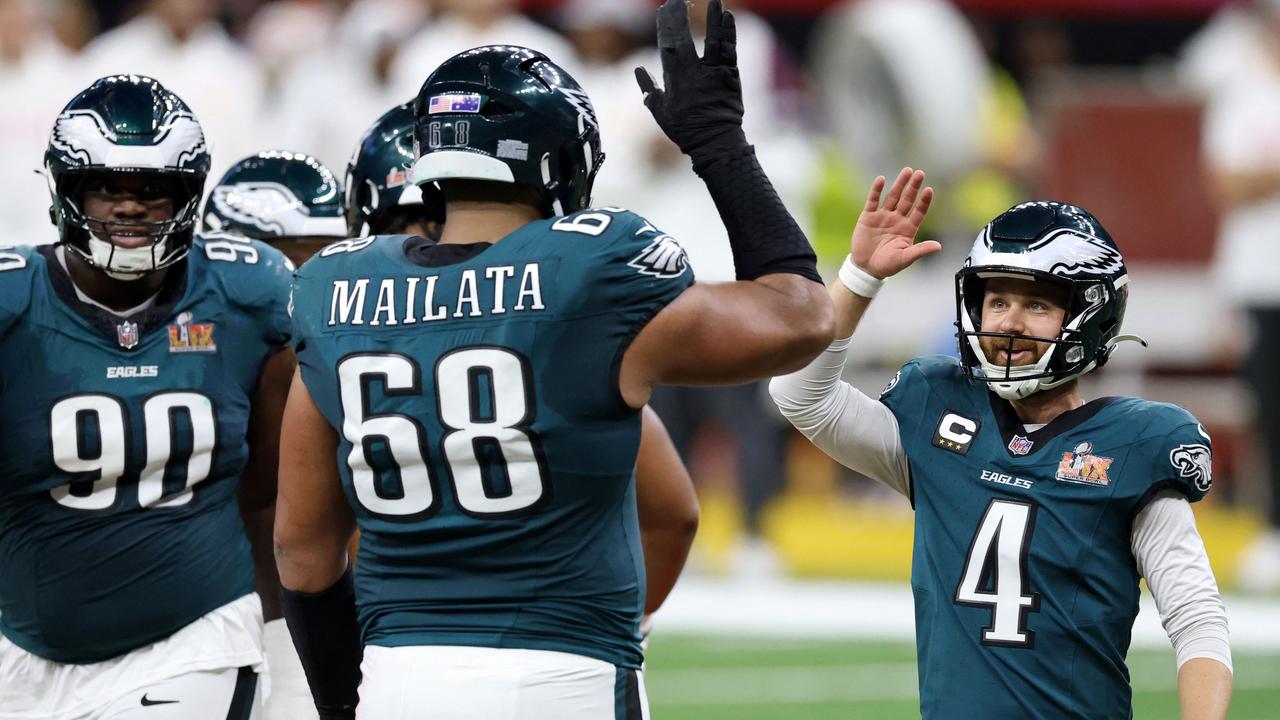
1065	246
508	114
126	125
275	195
380	194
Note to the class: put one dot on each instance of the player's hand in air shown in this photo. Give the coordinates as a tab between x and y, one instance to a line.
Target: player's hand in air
883	242
700	104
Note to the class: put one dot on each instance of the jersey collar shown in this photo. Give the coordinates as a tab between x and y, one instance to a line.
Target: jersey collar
104	321
1011	425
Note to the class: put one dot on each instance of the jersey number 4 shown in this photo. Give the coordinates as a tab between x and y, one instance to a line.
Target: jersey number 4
995	573
484	398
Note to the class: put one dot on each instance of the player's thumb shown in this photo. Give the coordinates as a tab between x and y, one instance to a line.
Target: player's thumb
647	84
653	97
921	249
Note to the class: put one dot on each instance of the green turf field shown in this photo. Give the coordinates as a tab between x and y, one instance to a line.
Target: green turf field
715	678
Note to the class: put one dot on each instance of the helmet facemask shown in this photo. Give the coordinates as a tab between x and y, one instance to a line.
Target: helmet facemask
1070	353
126	134
1050	243
90	237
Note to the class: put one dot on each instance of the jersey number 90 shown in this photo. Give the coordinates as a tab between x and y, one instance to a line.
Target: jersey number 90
484	399
89	436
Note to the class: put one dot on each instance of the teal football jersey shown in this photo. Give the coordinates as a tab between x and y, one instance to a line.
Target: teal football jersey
484	445
1025	584
121	445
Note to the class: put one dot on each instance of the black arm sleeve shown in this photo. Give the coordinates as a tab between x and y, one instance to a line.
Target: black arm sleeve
763	236
327	636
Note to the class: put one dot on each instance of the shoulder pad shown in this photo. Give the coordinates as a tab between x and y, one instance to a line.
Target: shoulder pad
1177	446
937	366
19	267
252	273
621	236
337	257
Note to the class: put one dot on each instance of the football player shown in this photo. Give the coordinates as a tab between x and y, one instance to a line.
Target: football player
144	373
480	396
382	200
290	200
1036	512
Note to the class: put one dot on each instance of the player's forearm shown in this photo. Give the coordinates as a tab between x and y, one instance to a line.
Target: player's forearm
849	308
326	634
1204	689
258	526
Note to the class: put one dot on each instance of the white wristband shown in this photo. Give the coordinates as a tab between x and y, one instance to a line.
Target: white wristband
859	281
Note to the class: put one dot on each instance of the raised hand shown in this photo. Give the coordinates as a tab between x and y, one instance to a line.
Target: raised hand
883	242
700	104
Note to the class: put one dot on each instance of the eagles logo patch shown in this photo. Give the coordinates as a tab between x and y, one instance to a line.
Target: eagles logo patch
1195	463
892	384
663	258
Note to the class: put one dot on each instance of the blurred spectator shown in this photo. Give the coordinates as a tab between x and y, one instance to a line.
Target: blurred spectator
1230	40
179	43
352	70
646	173
37	78
611	39
464	24
75	22
888	108
281	33
1242	154
1008	145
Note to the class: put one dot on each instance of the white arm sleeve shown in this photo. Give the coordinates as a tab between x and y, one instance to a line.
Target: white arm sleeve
1171	556
859	432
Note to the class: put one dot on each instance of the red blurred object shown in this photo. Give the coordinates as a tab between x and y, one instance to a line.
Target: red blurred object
1096	8
1132	156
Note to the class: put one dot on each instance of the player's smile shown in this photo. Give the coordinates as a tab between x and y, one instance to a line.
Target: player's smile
124	210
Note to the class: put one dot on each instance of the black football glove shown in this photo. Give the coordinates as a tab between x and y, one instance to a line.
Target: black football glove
700	108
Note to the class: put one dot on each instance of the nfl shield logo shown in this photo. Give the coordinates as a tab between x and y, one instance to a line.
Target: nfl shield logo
1020	445
127	334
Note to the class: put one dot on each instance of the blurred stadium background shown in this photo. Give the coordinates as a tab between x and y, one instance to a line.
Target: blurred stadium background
1160	116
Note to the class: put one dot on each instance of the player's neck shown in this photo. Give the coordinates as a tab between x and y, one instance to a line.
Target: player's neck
1041	408
478	221
108	291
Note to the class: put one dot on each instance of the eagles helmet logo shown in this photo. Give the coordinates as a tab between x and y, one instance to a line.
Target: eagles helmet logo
1194	462
1064	252
268	206
577	97
663	258
85	136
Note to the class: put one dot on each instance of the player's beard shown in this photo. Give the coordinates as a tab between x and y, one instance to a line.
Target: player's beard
1016	352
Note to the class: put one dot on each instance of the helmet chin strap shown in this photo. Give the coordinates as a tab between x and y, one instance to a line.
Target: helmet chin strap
124	263
1016	390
